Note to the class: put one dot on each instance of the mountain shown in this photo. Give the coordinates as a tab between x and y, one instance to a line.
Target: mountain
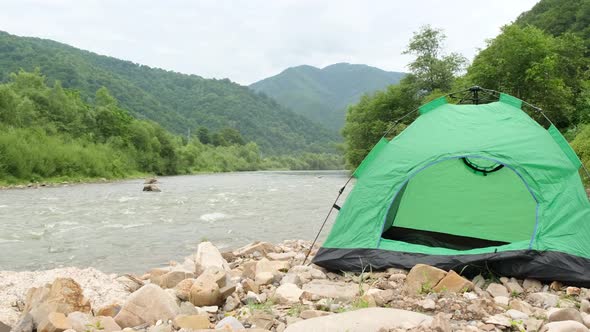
179	102
558	16
323	94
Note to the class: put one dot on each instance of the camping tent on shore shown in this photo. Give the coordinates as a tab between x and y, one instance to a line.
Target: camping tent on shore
468	187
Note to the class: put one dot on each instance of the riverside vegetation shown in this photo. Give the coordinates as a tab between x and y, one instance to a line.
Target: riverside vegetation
264	287
50	133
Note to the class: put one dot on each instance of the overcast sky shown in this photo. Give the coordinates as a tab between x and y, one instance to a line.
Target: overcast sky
249	40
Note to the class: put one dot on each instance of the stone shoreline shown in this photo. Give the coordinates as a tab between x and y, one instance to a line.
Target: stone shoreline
265	287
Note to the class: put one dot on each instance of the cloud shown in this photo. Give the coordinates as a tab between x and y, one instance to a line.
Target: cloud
250	40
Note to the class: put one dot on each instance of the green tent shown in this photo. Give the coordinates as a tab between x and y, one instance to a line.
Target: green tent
467	187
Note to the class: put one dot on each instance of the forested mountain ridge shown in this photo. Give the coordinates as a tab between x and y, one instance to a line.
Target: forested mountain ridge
324	94
557	17
177	101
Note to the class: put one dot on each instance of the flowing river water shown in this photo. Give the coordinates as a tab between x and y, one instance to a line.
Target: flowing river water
116	227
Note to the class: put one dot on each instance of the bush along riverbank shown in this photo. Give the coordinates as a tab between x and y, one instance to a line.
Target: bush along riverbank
265	287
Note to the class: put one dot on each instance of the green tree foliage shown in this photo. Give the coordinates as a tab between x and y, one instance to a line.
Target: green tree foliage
176	101
557	17
534	66
51	133
432	74
431	69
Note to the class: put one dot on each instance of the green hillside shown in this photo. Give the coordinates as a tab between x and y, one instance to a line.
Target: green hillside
324	94
177	101
558	16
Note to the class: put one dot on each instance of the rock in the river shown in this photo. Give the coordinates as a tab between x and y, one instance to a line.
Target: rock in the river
363	320
423	278
151	187
148	305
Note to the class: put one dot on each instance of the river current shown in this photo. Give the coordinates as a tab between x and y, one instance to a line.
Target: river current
116	227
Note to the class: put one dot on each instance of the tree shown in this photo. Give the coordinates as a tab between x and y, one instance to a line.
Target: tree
531	65
431	69
203	135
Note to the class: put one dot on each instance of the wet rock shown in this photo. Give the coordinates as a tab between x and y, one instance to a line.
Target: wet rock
362	320
151	187
331	289
565	314
54	322
564	326
454	283
149	304
422	278
192	322
288	294
497	290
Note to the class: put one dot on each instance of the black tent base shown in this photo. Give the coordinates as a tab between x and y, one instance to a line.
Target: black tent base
541	265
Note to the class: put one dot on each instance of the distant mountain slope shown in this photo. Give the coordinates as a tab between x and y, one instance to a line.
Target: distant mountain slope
177	101
558	16
323	94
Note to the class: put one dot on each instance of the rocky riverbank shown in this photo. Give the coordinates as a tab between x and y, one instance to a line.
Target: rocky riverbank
265	287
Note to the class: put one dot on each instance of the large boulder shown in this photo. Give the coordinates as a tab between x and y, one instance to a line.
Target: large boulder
423	278
172	278
64	296
147	305
565	326
209	256
363	320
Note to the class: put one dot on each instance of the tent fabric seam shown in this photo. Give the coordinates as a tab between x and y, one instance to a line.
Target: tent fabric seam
458	157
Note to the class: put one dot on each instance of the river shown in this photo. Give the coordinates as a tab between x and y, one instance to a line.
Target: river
117	228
